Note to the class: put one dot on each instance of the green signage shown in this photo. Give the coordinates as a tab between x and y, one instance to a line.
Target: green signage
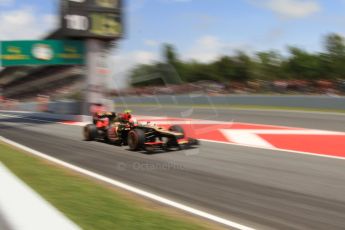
44	52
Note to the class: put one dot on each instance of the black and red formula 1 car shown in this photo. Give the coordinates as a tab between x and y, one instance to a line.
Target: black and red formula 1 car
113	128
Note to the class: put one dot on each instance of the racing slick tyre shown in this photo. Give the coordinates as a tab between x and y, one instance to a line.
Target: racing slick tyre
112	136
177	129
136	139
90	132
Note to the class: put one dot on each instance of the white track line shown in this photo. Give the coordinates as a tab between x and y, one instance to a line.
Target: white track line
130	188
23	208
311	132
275	149
41	120
228	143
246	138
289	111
251	137
28	118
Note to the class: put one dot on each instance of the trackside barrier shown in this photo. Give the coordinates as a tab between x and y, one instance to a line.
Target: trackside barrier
74	108
62	107
22	208
303	101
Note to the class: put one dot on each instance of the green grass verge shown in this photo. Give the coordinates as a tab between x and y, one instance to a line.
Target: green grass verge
244	107
89	204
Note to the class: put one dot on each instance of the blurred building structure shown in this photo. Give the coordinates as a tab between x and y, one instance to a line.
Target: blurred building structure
27	83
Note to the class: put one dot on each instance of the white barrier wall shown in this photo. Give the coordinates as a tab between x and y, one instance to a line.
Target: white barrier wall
320	102
315	102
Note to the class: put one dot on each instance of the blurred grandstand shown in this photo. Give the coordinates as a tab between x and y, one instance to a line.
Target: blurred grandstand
32	83
53	83
213	88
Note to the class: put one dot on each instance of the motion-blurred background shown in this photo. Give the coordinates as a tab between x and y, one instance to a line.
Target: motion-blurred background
175	47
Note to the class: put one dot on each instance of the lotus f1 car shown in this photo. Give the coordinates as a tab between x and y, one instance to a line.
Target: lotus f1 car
118	129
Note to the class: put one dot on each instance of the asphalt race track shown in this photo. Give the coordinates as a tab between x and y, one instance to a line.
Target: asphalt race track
263	189
312	120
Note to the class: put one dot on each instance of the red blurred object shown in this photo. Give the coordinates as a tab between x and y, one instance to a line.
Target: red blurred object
102	123
97	108
126	116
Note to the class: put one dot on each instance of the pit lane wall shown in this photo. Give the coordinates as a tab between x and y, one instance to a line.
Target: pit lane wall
66	111
302	101
60	107
75	108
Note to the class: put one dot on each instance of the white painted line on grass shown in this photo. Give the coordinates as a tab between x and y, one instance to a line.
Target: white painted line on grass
23	208
130	188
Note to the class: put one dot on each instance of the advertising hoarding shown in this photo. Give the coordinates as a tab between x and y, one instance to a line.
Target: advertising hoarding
42	52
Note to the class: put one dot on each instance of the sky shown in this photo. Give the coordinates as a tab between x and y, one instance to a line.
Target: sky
199	29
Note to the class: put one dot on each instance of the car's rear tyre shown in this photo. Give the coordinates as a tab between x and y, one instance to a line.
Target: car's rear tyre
136	139
90	132
112	136
177	129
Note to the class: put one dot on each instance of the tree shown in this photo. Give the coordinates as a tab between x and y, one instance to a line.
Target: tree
195	71
335	45
224	68
242	67
146	75
334	58
269	65
303	65
169	54
172	68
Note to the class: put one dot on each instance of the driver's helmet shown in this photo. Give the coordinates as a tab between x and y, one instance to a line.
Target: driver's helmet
127	115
